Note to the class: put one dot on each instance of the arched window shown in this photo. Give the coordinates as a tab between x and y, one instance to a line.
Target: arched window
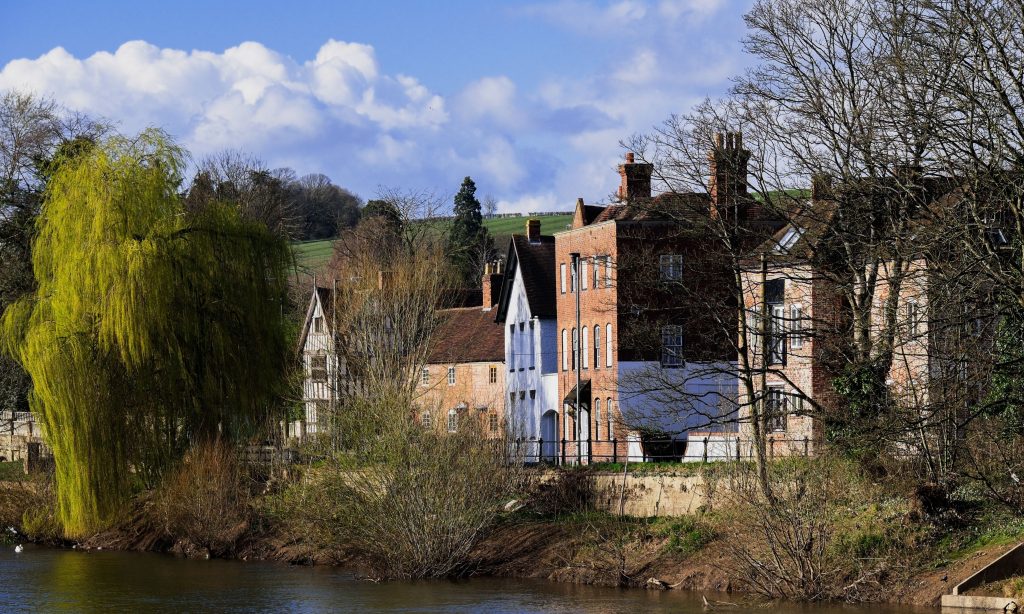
597	347
608	345
586	347
597	419
608	418
453	420
565	350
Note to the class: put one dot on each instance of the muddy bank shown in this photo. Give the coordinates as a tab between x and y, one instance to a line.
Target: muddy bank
581	550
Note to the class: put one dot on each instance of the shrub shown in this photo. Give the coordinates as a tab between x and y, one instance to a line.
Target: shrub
569	492
826	533
204	501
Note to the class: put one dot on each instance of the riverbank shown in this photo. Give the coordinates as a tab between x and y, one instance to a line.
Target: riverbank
580	546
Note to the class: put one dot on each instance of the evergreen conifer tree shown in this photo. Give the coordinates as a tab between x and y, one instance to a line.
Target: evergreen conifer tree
470	244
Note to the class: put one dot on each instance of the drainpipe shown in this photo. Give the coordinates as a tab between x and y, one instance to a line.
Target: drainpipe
578	351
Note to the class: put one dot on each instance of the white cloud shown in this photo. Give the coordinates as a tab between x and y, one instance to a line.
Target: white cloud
244	97
491	99
589	17
532	203
536	146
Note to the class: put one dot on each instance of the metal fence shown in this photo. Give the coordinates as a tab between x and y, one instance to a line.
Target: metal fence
703	449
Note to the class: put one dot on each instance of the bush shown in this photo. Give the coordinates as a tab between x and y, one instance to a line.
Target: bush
826	533
418	511
204	501
569	492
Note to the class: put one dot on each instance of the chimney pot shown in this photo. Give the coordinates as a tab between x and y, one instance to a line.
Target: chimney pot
629	157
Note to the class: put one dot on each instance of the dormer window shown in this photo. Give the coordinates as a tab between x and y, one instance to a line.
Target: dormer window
789	239
318	325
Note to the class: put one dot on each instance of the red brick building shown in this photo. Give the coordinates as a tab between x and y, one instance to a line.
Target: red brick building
646	325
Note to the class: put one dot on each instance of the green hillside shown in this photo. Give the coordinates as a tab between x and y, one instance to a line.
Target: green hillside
312	254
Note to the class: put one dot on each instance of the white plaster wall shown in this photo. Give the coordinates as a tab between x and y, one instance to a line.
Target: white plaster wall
525	349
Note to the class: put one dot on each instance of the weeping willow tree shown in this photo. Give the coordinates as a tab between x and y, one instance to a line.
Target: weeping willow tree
153	327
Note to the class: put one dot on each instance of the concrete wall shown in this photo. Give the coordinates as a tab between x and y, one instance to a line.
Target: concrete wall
651	495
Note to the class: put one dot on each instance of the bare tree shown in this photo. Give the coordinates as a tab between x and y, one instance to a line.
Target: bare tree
261	194
415	499
489	206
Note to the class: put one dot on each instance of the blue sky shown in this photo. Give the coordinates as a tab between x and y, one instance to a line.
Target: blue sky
529	98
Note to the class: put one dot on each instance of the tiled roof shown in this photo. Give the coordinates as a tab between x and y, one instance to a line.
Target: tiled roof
813	221
670	206
468	334
537	262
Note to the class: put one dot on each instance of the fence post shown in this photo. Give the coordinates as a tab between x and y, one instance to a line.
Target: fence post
540	450
615	449
563	450
705	449
807	443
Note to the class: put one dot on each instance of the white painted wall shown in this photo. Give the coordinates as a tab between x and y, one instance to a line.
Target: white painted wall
530	364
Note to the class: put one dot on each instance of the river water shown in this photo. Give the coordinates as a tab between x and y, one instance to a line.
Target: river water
47	580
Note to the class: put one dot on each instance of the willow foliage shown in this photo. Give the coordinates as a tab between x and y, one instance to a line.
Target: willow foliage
153	327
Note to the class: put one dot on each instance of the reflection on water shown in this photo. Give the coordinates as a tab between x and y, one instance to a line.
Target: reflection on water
60	580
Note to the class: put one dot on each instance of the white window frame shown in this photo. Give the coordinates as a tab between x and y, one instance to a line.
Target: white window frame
776	394
672	343
597	272
453	420
607	271
796	326
426	420
562	270
671	267
584	273
316	374
597	346
608	345
913	316
597	419
565	350
575	348
425	376
585	354
451	376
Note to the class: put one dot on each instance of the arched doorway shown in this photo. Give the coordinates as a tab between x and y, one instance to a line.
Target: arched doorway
549	435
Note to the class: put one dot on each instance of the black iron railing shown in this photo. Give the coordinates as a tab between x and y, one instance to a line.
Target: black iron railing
701	449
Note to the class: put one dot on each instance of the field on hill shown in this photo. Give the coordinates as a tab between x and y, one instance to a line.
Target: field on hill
312	254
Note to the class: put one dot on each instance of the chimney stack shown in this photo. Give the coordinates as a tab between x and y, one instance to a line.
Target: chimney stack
494	274
728	185
533	230
636	179
821	187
